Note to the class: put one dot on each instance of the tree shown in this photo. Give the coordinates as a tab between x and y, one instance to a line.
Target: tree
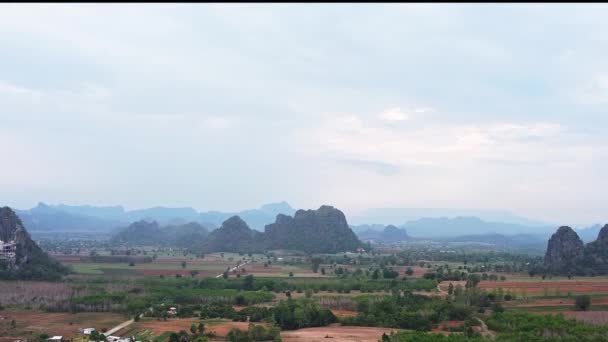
323	270
582	302
291	274
193	328
248	283
225	275
409	271
193	273
308	293
184	264
451	289
376	274
316	262
201	328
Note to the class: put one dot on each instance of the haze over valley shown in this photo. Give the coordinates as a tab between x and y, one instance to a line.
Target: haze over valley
248	172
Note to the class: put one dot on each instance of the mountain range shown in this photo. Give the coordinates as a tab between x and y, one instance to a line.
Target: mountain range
441	227
324	230
82	218
438	223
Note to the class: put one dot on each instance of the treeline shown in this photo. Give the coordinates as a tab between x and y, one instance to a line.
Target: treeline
517	327
405	311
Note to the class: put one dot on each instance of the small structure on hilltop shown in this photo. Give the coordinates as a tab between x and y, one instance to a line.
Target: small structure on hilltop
56	339
172	311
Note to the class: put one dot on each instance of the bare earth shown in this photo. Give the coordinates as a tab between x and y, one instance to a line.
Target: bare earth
336	333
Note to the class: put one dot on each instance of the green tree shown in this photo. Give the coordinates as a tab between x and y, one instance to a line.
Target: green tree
248	283
184	264
582	302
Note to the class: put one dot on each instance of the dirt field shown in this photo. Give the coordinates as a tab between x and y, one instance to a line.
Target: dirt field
444	327
344	313
336	333
64	324
219	327
540	286
418	271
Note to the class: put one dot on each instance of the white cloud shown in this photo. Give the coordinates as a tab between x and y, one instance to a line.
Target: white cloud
394	114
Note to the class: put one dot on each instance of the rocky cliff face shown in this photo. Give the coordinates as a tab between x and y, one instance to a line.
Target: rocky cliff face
324	230
233	236
563	250
29	262
595	260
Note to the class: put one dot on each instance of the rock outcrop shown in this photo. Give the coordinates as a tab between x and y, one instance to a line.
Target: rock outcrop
324	230
234	236
389	234
25	260
144	233
564	249
595	260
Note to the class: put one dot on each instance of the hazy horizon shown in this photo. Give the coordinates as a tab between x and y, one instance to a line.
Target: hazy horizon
229	106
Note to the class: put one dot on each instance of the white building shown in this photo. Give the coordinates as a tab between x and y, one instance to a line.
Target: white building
7	250
56	339
87	331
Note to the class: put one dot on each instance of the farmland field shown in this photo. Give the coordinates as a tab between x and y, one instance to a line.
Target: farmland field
65	324
336	333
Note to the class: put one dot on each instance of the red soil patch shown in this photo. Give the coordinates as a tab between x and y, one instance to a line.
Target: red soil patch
221	329
337	334
445	285
344	313
535	287
172	273
418	271
444	327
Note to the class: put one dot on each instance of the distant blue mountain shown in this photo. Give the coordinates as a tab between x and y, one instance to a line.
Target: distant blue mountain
440	227
443	226
386	216
590	233
84	218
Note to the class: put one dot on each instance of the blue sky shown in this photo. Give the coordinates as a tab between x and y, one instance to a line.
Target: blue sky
359	106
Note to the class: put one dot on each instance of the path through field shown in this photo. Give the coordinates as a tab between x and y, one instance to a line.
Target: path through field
233	269
120	326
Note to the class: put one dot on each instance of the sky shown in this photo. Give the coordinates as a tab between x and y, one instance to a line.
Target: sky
229	106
